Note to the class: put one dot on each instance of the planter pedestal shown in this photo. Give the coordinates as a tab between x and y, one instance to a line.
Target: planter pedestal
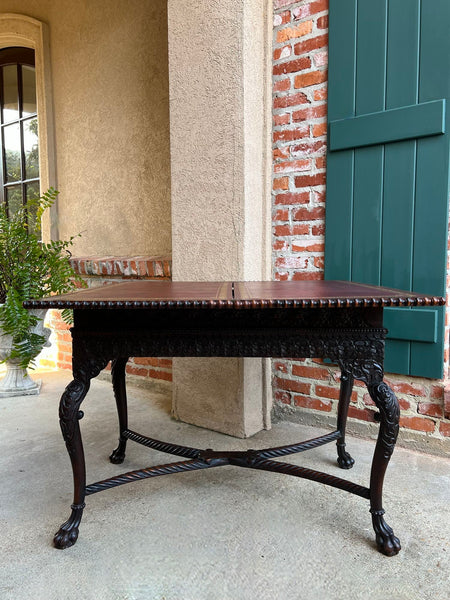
17	382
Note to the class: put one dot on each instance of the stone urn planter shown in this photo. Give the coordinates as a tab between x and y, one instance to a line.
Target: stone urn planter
17	382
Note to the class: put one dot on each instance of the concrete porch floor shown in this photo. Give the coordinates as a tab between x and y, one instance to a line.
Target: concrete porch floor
221	534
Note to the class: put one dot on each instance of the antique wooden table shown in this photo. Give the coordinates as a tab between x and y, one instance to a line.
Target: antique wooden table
329	319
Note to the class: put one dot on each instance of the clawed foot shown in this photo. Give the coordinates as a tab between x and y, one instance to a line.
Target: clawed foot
118	455
386	541
67	534
65	538
345	461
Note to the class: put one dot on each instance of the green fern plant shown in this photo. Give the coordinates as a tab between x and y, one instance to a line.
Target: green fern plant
29	268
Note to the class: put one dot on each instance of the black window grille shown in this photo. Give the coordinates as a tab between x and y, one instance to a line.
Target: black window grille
19	164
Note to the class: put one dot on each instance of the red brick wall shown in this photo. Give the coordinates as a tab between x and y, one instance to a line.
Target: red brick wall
98	271
299	137
300	44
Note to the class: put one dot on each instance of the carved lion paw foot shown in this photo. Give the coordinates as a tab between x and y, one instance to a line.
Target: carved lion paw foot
386	541
64	538
67	534
345	461
117	456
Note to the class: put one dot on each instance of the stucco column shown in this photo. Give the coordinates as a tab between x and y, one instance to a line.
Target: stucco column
219	73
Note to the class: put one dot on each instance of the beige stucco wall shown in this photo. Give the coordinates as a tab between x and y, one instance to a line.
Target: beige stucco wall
220	114
218	101
109	71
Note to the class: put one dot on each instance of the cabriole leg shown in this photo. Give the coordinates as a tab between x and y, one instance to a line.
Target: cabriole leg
345	461
118	380
69	416
387	404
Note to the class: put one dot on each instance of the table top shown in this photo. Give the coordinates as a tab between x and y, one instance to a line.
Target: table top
249	294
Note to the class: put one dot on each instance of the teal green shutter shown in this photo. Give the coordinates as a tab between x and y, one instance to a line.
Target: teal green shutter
388	163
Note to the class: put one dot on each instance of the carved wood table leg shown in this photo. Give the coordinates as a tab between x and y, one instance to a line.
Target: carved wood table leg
387	404
345	461
118	380
69	416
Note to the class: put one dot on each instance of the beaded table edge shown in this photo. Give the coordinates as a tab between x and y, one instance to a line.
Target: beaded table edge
240	304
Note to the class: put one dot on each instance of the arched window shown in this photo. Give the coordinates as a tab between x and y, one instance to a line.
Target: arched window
19	165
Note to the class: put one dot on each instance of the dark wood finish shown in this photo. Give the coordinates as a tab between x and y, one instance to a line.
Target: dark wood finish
336	320
118	380
345	461
255	294
69	415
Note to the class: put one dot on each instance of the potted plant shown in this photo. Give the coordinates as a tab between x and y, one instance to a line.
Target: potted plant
29	268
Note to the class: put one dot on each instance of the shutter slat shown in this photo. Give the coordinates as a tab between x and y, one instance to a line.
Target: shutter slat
432	191
370	97
403	53
414	324
338	241
341	85
341	81
408	122
427	360
371	56
402	89
397	357
367	215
